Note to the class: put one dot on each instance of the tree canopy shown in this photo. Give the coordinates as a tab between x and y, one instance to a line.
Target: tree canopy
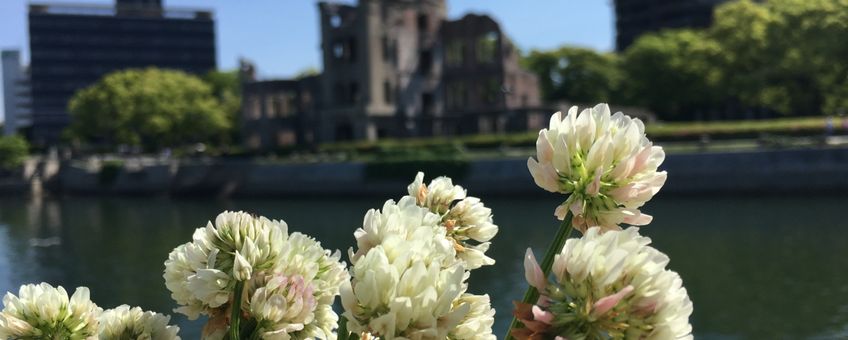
776	57
149	107
13	151
576	74
226	87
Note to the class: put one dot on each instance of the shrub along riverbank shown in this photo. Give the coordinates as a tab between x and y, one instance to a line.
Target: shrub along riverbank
773	131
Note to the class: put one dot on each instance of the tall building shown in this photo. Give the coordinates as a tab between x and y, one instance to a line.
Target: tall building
381	65
72	46
636	17
16	98
395	68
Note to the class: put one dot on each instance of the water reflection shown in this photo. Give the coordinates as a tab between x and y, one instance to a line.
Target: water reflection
755	267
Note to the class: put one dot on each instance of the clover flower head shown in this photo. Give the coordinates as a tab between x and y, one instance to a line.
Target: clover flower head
604	162
477	324
282	305
45	312
467	220
406	278
124	322
290	281
610	285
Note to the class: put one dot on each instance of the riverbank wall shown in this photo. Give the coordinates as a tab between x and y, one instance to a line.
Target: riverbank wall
753	172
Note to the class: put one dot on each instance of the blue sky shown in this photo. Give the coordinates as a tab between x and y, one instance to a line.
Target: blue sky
282	38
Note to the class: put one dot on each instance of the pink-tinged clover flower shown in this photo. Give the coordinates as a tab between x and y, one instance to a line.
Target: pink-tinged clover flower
604	162
608	286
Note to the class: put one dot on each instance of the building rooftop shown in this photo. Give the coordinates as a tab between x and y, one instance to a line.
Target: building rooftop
110	10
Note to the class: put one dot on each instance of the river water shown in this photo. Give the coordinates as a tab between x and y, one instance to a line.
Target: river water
755	267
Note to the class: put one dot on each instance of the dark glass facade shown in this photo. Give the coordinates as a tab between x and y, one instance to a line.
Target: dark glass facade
636	17
71	47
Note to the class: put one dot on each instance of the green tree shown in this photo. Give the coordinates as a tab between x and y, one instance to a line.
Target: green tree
307	72
13	151
675	73
785	55
575	74
226	86
151	107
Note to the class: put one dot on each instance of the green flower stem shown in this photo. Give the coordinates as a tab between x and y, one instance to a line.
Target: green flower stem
235	317
532	295
343	334
255	335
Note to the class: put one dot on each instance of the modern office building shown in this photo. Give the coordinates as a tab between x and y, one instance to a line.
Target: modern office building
636	17
16	98
72	46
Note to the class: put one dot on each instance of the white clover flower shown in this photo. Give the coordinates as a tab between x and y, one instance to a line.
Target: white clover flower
395	220
405	276
253	242
44	312
193	280
304	256
124	322
438	196
612	285
282	305
239	247
465	218
605	162
477	324
201	274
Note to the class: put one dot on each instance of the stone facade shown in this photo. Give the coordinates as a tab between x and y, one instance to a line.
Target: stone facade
399	68
280	114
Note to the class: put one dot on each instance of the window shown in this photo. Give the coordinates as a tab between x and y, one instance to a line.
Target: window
427	103
487	46
457	95
351	50
484	124
255	142
306	100
270	107
384	42
338	50
286	138
290	104
491	91
354	93
388	94
422	22
336	21
254	108
283	103
425	61
339	94
345	50
455	53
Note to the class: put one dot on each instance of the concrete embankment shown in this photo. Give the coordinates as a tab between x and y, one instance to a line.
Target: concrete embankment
759	172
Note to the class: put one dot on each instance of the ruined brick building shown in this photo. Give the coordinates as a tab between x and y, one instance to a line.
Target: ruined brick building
395	68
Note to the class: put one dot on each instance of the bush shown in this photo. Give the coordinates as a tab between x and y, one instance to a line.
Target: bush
109	172
13	151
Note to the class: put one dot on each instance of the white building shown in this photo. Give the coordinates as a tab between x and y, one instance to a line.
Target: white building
16	93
